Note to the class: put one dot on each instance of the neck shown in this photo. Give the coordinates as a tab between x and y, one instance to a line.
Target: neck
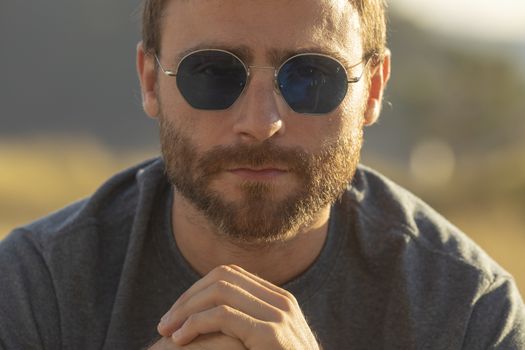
205	249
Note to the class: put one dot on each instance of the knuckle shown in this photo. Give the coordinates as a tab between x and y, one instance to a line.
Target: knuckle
221	289
290	297
234	268
220	272
225	269
286	304
290	305
222	286
268	329
223	312
278	316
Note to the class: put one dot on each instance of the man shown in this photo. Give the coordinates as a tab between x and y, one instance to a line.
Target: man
257	229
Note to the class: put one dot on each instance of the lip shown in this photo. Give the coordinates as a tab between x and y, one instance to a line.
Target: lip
260	174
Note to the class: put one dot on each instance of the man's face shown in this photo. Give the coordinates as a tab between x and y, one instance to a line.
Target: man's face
258	170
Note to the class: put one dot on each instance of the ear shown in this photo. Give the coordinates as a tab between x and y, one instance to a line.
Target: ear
148	81
379	78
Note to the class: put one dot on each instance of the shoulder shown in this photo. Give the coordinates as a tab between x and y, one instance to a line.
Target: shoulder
71	259
430	272
399	227
110	209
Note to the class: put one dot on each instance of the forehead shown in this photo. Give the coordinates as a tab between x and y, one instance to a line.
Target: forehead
262	28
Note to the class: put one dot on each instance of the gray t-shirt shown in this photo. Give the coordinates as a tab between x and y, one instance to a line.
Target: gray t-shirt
393	274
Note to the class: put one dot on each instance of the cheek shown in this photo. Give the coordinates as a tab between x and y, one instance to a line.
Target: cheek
354	106
175	110
313	133
167	92
204	129
356	99
346	124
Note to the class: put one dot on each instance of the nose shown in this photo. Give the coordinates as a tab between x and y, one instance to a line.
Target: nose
258	116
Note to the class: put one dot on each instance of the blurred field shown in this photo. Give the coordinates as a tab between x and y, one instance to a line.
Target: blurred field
485	198
38	176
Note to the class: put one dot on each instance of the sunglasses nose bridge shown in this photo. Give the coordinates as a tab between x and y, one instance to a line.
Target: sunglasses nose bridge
261	67
265	68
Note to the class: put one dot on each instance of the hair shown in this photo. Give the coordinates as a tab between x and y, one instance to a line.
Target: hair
371	14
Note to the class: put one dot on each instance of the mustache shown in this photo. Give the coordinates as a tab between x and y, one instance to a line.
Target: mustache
221	158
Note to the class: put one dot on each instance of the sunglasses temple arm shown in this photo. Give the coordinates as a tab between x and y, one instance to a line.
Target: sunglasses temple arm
356	79
165	71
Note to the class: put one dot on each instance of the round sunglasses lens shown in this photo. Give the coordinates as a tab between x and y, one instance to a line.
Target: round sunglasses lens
211	79
312	84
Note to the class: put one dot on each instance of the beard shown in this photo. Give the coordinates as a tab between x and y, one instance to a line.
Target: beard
262	215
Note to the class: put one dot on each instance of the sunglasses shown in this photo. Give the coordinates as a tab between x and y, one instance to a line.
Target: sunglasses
310	83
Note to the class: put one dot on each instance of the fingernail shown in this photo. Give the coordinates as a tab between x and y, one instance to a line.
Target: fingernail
159	328
177	334
163	320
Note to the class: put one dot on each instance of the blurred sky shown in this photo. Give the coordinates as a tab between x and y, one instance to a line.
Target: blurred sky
501	20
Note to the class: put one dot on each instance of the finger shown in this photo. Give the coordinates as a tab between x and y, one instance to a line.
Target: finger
222	293
223	319
212	341
280	298
234	276
263	282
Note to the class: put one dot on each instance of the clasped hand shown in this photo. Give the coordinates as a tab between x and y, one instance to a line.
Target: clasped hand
242	310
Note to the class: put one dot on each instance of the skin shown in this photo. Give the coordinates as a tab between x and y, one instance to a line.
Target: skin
233	307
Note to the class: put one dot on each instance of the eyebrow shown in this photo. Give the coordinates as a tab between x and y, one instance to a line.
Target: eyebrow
244	52
275	56
278	56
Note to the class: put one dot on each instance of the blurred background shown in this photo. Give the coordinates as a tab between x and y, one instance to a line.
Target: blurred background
452	130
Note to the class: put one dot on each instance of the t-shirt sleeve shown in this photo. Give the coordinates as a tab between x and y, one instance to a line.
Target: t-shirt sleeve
29	317
498	319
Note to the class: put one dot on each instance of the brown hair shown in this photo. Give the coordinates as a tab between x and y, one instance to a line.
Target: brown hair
371	13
